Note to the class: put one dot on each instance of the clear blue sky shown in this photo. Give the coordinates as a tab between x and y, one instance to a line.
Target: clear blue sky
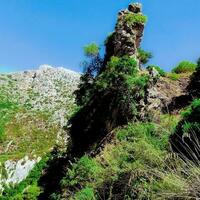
35	32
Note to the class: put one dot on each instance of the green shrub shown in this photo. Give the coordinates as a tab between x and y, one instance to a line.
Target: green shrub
184	67
144	56
84	170
32	192
193	110
91	50
122	74
133	18
186	138
85	194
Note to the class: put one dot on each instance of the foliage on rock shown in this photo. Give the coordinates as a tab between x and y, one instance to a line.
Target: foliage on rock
134	19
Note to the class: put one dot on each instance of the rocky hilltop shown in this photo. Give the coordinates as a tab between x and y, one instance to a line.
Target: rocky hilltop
36	105
45	89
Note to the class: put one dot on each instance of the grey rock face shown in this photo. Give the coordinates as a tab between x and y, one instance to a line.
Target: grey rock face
127	37
16	171
163	92
135	8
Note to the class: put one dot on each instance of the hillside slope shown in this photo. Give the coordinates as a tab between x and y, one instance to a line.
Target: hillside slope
34	107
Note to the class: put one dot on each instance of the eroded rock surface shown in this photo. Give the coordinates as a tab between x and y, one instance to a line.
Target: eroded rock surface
126	38
166	94
14	171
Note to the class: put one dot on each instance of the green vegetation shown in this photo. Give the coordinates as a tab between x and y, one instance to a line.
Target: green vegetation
173	76
7	110
121	71
160	71
184	67
85	194
28	188
91	68
91	50
136	165
144	56
185	140
134	19
27	132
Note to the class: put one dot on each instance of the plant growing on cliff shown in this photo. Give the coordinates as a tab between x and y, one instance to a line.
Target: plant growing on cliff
184	67
144	56
91	68
114	96
185	141
135	18
91	50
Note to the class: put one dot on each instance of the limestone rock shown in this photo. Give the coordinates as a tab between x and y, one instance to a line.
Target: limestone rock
163	93
16	171
135	7
126	38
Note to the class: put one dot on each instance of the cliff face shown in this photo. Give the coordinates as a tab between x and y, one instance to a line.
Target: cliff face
127	35
104	111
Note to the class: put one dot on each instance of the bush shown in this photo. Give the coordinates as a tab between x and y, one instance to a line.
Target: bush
144	56
184	67
91	50
132	19
91	68
85	194
186	138
84	170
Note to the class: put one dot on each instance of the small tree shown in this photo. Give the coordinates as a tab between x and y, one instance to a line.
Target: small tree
91	68
144	56
91	50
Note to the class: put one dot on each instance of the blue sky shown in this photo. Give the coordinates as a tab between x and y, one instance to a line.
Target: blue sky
35	32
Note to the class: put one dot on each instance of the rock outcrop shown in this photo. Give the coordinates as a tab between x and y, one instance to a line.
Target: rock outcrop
126	38
166	95
16	171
